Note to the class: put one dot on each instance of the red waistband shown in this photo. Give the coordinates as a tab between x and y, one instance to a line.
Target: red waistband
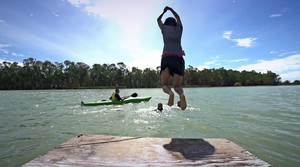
171	54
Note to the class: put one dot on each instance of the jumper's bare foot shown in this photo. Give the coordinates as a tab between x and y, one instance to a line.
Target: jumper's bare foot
182	102
171	100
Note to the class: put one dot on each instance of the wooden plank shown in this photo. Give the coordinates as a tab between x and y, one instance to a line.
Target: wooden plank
95	150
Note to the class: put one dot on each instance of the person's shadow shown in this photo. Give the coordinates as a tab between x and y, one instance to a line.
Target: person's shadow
192	149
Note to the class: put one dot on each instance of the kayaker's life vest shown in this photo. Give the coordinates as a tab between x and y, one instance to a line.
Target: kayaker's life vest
113	96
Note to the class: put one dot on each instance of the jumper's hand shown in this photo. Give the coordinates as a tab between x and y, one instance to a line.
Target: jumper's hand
165	9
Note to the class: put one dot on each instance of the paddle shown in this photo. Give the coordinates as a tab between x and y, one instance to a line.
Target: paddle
132	95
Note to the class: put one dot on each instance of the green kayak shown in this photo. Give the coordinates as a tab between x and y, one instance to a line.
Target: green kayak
116	102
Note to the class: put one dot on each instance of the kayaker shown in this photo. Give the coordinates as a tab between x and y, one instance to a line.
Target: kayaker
159	107
115	96
172	62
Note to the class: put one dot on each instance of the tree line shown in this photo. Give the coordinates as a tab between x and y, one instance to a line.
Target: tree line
34	74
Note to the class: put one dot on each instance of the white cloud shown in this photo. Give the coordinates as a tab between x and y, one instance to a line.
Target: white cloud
212	61
79	2
227	35
216	62
3	48
202	67
284	66
284	53
17	55
287	53
3	51
292	76
3	22
130	16
288	63
238	60
124	24
275	15
243	42
150	60
278	14
55	14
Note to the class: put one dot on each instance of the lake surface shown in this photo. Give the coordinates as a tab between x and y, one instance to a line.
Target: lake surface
263	120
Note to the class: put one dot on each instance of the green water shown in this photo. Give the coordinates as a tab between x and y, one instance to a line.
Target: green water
263	120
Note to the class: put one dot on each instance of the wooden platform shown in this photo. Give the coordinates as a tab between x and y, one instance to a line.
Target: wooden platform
96	150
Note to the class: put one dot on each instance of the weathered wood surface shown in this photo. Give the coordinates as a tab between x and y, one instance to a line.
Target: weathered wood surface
96	150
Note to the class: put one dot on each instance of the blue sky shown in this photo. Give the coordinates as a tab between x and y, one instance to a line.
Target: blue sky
258	35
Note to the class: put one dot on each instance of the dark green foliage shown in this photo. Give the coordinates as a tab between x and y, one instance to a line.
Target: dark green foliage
36	74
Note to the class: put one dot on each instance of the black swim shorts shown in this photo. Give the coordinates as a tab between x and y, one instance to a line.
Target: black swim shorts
175	64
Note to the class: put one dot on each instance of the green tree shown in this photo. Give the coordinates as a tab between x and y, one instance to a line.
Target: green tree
136	80
150	78
44	75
